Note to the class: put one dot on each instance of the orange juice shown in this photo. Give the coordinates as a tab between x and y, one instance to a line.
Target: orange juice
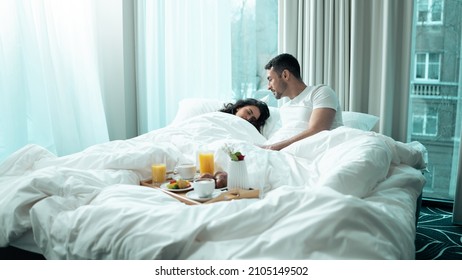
159	173
206	162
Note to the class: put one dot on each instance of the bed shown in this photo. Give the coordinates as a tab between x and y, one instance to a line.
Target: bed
348	193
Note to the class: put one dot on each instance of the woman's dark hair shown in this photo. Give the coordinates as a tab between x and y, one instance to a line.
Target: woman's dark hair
231	108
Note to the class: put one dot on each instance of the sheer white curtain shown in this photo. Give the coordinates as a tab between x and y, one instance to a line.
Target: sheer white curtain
359	47
49	85
183	50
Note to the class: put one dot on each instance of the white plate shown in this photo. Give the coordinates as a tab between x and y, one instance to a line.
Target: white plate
164	186
193	195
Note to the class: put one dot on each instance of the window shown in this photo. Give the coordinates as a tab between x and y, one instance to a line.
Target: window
427	66
254	32
430	11
436	96
424	121
200	48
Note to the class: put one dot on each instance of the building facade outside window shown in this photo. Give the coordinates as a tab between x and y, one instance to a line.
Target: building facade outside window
435	105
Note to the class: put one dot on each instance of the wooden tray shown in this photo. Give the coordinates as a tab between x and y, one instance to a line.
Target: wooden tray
225	196
181	196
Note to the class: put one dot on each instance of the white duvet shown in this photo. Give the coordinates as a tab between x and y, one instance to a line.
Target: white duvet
342	194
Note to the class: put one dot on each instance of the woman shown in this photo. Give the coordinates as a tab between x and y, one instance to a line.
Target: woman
253	110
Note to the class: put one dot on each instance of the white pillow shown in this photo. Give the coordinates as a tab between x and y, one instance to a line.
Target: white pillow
191	107
272	124
359	120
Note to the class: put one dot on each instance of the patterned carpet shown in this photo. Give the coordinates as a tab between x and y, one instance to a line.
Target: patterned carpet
437	238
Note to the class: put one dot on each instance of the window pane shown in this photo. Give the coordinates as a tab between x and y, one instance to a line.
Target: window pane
433	58
422	11
417	125
254	28
431	126
436	10
436	91
422	16
422	5
420	71
433	72
421	58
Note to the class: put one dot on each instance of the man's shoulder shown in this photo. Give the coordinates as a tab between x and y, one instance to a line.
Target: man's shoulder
322	87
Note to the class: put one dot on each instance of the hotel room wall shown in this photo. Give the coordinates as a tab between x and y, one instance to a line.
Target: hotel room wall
116	50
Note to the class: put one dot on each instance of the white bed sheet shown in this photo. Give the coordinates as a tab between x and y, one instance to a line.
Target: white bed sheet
342	194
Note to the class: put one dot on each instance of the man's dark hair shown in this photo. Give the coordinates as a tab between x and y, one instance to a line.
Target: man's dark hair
285	61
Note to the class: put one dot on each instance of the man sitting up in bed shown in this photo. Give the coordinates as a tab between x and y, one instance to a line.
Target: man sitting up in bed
311	109
253	110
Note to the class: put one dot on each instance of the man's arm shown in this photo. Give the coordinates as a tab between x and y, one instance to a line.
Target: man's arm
321	119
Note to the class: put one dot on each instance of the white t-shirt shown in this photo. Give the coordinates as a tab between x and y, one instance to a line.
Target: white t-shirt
296	114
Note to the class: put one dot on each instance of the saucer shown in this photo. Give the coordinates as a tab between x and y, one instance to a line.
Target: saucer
193	195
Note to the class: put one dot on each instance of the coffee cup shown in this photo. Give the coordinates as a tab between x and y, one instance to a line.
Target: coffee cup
186	171
204	187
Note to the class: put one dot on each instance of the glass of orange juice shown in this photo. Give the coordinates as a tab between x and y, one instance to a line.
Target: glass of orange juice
206	162
159	170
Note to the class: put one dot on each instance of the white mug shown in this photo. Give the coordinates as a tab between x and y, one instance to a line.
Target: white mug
204	187
186	171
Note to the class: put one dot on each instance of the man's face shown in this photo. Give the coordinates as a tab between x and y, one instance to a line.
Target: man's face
276	83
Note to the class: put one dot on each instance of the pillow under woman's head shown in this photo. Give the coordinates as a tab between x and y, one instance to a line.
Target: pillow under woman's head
191	107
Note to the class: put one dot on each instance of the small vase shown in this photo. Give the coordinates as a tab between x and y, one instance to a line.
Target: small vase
237	175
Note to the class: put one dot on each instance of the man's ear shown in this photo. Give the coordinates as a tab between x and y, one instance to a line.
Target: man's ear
285	74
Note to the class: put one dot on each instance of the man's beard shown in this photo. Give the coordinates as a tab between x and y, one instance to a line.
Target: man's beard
278	94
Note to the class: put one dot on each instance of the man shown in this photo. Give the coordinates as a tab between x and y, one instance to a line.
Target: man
310	109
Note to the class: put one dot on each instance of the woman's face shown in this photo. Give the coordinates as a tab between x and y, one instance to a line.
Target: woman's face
249	113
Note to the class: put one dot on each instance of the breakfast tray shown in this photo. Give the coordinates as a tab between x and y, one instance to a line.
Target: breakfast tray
225	196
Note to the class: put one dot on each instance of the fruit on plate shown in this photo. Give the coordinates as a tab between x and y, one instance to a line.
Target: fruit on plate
183	184
178	184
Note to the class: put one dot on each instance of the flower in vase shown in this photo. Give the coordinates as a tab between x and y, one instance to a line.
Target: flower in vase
235	156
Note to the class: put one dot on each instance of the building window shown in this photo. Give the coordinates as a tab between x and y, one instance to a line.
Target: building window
430	11
425	121
428	66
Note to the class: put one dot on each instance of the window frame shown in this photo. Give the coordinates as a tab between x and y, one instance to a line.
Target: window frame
429	14
425	116
427	66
